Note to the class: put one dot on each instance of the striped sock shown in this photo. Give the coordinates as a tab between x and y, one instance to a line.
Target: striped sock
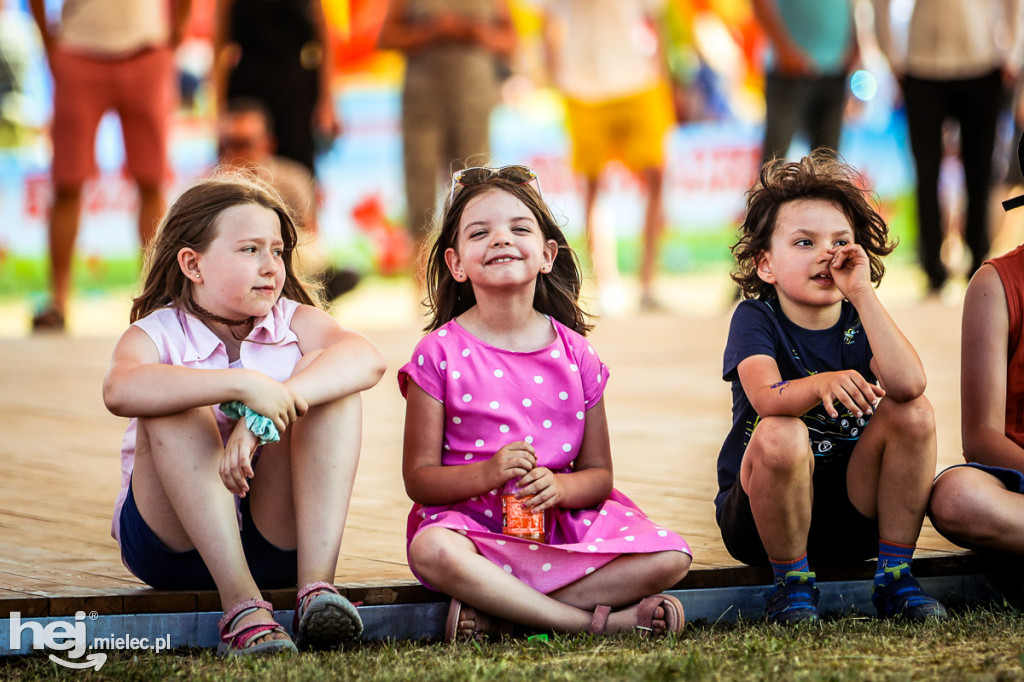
890	555
781	568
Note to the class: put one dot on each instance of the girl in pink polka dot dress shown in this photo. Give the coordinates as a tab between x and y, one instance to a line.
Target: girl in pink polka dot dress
506	388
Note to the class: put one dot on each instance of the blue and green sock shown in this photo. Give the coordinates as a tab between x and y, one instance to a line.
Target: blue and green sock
894	559
782	568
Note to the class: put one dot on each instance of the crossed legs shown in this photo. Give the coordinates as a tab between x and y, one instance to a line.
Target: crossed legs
450	562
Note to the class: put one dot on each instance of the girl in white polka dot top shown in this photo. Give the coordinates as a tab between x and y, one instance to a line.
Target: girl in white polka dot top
506	388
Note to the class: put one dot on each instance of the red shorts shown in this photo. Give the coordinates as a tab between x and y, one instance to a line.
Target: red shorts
139	88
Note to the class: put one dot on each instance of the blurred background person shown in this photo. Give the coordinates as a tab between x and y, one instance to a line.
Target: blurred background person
454	50
278	52
245	140
1009	225
607	58
18	41
813	46
953	60
106	54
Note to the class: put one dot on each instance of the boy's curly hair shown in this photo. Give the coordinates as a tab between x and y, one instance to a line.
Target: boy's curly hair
820	175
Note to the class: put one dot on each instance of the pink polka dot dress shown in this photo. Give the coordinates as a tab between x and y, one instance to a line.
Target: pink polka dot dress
493	397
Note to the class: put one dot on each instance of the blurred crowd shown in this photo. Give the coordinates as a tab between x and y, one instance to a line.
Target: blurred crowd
266	81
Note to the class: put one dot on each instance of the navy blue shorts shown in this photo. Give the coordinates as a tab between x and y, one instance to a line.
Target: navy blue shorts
156	565
839	533
1011	478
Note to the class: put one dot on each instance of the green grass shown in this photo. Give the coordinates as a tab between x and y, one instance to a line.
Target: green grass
983	644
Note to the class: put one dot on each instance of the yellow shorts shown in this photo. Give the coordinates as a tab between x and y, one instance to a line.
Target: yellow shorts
629	129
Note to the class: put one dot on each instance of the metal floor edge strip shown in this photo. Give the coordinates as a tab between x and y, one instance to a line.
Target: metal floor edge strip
426	621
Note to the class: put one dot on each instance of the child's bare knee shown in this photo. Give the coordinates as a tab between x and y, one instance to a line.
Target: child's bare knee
661	571
341	415
952	505
916	417
166	429
780	443
345	404
434	552
676	566
422	550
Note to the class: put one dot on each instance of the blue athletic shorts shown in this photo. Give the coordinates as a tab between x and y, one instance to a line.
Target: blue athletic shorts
156	565
1011	478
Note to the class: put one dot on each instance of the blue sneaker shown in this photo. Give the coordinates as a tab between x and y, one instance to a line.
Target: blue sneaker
794	600
901	596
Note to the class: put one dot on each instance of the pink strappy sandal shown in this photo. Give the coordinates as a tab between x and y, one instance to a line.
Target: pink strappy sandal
599	621
671	608
325	620
484	626
237	642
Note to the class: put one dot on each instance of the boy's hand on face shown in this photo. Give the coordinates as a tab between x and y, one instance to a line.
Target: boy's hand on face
850	269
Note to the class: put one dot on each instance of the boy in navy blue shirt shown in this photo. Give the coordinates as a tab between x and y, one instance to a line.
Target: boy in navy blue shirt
832	450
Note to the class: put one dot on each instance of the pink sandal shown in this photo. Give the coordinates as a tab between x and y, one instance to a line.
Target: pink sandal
238	642
325	620
670	606
484	626
599	621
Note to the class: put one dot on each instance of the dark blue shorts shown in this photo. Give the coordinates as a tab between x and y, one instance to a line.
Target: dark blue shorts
156	565
1011	478
839	534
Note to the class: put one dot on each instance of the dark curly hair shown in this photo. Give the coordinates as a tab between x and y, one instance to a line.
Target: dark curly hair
558	291
820	175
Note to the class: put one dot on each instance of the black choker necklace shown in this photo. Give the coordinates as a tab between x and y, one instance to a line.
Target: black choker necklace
203	312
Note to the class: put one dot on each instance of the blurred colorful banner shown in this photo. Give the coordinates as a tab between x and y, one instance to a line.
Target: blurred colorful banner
712	156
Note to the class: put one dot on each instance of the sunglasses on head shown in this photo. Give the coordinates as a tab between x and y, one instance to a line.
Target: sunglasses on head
478	175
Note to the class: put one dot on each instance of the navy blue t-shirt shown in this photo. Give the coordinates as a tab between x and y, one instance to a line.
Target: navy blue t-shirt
760	328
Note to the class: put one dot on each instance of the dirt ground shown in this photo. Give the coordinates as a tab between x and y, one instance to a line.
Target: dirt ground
668	411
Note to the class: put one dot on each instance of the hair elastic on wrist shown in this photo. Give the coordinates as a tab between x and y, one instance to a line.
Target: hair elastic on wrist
262	427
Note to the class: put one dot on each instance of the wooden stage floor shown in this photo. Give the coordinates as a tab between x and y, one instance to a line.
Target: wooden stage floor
668	411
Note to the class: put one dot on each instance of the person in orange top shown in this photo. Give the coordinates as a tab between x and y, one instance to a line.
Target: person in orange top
980	504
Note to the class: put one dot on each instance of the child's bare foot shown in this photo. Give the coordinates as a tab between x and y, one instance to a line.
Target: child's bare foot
464	622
